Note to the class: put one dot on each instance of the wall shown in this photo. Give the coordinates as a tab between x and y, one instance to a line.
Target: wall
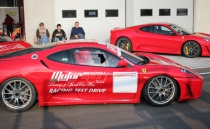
129	13
202	16
184	21
12	11
95	28
37	11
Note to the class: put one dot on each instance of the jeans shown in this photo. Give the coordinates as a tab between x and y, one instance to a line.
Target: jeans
44	39
81	36
57	39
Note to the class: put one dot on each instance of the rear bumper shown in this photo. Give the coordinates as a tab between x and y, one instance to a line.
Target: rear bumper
190	88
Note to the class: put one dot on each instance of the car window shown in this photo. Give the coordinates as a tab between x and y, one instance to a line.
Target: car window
94	57
59	57
146	29
161	30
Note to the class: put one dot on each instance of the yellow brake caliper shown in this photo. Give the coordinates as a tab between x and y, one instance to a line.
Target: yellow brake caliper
187	50
127	46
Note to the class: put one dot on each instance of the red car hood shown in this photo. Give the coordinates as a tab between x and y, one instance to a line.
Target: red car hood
6	47
201	35
157	60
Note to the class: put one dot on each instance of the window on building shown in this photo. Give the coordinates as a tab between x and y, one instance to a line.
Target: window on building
146	12
69	13
164	12
91	13
111	13
182	12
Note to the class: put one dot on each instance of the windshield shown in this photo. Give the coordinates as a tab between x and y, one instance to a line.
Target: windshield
4	38
181	30
130	57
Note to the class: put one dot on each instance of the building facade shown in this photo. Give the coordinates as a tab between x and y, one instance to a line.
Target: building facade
99	17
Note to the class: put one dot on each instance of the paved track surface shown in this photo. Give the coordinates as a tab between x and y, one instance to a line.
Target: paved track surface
193	114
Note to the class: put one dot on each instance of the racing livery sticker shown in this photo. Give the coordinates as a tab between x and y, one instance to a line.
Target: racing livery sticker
125	82
114	49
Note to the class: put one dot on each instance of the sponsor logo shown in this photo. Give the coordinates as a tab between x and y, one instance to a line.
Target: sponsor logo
144	70
60	76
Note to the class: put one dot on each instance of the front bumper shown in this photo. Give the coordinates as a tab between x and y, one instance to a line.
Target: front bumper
190	88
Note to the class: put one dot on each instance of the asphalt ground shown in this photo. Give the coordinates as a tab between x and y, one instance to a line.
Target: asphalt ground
194	114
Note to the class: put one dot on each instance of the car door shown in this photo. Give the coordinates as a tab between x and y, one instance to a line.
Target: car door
100	76
162	39
57	75
142	38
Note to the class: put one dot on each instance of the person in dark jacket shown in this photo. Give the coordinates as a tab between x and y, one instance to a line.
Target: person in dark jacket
8	22
77	32
58	34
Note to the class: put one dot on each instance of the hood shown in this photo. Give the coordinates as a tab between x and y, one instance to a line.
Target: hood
200	35
153	59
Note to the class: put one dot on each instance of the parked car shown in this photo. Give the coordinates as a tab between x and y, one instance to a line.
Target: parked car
161	38
8	45
90	72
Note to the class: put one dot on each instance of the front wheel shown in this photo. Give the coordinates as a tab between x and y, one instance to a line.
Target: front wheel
160	91
124	43
17	94
191	49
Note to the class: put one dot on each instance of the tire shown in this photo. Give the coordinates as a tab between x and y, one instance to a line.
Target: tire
124	43
191	49
160	91
17	95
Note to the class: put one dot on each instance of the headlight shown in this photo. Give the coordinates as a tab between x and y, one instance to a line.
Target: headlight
206	39
185	71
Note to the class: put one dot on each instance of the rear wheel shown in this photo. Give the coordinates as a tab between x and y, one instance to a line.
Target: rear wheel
17	94
160	91
124	43
191	49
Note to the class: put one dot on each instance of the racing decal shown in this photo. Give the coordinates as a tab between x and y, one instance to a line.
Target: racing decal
144	70
10	47
114	49
69	82
78	90
60	76
125	82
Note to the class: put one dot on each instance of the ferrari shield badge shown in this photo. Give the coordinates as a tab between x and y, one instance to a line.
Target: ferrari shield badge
182	37
144	70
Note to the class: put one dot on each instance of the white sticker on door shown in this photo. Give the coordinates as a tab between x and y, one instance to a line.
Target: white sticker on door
125	82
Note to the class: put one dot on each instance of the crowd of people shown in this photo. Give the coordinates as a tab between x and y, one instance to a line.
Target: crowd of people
43	35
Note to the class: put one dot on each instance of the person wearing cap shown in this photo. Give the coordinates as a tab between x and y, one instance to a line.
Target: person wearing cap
77	32
58	34
42	34
8	22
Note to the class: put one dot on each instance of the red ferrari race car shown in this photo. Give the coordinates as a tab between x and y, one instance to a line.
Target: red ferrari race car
8	45
90	72
161	38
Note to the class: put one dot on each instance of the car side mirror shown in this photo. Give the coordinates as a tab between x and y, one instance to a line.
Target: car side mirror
122	63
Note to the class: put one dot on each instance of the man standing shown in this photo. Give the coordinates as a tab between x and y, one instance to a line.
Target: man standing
77	32
42	34
8	22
